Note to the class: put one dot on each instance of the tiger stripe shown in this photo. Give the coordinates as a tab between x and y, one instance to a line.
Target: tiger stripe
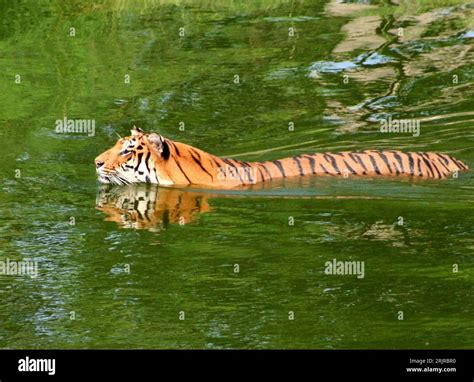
266	170
279	166
198	161
312	163
298	163
332	162
411	164
182	171
325	170
361	163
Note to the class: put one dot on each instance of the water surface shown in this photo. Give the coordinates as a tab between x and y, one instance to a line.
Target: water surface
128	262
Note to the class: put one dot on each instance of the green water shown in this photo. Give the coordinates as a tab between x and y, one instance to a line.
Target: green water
128	264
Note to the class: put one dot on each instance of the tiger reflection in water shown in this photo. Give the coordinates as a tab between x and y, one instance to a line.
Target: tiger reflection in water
143	206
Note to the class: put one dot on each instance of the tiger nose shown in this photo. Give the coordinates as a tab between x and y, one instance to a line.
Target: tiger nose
99	163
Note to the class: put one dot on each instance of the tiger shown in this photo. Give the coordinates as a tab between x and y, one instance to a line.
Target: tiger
152	158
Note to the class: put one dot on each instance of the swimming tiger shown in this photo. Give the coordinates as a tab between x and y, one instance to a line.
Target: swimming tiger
151	158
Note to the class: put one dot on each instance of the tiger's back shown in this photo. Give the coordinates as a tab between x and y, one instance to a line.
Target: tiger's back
370	162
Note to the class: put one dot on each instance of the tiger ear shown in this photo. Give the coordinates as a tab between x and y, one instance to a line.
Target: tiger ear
159	144
136	131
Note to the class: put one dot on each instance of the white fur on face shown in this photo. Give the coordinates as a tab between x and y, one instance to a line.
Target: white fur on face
128	172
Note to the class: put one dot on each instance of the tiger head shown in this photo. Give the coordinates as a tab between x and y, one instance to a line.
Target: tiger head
134	159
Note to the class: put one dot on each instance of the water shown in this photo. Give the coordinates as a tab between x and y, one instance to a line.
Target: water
127	263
